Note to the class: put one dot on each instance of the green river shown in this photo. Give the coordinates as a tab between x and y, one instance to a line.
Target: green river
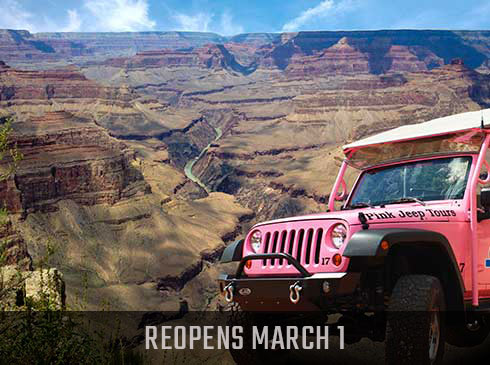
189	165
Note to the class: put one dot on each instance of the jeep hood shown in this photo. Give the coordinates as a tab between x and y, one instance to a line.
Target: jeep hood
446	211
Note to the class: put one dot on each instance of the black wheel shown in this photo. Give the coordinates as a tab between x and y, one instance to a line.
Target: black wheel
463	337
415	330
247	354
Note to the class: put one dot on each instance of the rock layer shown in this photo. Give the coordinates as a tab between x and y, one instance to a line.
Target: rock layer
214	57
53	84
67	158
385	51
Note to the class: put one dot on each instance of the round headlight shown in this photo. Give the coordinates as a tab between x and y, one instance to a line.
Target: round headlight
255	241
338	235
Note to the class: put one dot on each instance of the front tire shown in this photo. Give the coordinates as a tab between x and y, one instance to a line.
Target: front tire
415	331
247	354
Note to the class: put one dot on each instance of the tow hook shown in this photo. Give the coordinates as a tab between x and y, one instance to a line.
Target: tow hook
294	290
229	292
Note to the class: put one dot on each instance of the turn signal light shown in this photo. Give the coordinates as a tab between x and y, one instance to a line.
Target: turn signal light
385	245
248	264
337	259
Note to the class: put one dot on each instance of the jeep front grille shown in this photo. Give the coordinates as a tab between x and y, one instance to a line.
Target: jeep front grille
302	244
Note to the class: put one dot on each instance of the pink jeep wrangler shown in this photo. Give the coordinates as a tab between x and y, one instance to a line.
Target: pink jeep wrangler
405	260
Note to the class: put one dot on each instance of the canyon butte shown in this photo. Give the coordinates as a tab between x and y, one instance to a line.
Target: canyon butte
145	154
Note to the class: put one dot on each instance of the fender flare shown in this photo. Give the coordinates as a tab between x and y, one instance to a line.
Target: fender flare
232	252
366	243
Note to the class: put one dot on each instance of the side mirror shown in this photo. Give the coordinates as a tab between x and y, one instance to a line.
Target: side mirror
485	198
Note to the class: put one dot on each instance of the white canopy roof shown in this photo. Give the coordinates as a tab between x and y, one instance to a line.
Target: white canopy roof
435	127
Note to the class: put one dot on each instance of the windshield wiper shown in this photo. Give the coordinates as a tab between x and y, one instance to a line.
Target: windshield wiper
407	199
359	205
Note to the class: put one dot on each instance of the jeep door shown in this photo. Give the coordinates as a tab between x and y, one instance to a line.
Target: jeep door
483	242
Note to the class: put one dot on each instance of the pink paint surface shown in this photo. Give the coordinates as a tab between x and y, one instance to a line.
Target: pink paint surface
451	218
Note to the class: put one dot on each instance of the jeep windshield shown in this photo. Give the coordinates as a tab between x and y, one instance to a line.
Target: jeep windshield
436	179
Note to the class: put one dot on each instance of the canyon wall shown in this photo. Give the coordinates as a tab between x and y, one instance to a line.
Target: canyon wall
101	180
68	158
366	51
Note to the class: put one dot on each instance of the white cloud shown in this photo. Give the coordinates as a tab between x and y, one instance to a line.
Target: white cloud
194	23
119	15
112	16
326	8
13	16
96	15
204	22
74	22
228	26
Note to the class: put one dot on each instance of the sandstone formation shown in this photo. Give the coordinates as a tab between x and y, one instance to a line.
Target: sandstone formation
19	281
292	155
96	191
21	45
214	57
387	50
68	158
43	288
30	94
53	84
14	251
311	54
341	58
378	45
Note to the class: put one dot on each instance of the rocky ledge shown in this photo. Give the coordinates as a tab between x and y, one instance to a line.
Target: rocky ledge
69	158
65	83
210	56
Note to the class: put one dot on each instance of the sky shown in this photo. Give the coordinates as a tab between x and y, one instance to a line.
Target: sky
229	17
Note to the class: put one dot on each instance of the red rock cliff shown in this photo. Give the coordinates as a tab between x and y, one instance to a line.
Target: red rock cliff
69	158
30	85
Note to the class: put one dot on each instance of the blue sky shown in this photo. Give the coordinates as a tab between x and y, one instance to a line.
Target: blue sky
228	17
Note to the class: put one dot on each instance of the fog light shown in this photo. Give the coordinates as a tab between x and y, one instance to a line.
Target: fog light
326	287
337	259
248	264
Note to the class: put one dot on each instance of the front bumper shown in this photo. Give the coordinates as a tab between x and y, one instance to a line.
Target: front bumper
318	292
